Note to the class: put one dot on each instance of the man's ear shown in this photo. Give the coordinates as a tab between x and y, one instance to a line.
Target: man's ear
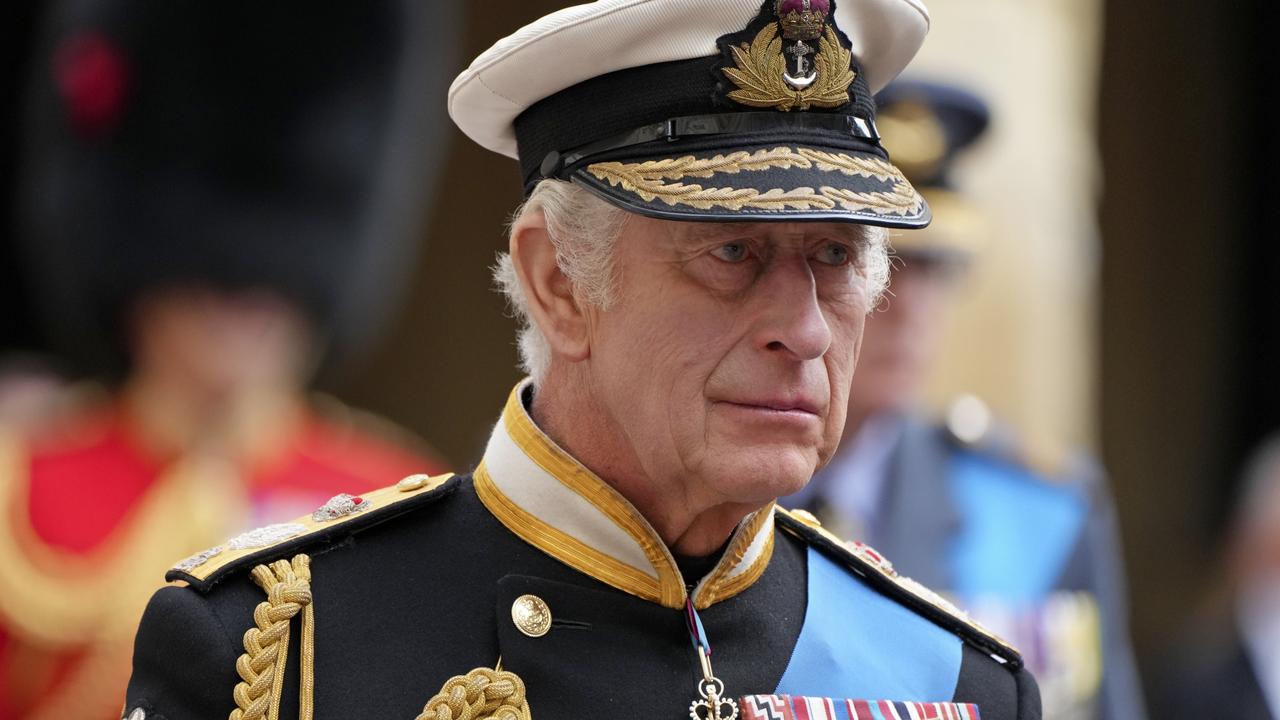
547	291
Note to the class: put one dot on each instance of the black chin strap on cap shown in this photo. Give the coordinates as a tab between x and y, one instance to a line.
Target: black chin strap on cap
556	162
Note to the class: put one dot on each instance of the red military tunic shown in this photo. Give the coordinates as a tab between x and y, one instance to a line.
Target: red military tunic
89	518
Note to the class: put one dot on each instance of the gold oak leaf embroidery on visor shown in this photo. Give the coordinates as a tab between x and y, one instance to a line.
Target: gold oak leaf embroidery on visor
759	68
661	180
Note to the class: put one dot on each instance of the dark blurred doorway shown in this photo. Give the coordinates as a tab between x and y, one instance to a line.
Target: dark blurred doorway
1190	285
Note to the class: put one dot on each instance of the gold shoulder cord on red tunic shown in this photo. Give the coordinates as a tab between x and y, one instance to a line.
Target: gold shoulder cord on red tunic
54	602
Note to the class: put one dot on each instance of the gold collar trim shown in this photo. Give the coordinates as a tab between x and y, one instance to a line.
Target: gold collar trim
553	502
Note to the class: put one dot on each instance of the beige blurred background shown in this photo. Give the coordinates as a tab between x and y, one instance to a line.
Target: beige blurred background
1023	332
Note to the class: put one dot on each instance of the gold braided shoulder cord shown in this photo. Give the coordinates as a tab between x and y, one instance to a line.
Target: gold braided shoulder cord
262	666
648	179
482	694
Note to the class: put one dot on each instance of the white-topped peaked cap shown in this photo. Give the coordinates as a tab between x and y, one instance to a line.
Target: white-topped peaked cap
583	41
564	55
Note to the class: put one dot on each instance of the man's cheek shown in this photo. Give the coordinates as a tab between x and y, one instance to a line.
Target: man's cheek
844	353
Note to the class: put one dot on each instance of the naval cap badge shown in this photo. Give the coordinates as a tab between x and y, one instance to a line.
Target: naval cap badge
784	68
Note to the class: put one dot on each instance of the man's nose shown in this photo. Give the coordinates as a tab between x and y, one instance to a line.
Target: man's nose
791	318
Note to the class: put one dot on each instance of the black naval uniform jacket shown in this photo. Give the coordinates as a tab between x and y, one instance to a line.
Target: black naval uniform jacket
416	583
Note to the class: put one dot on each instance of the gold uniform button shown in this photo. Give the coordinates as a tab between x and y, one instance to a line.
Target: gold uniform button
531	615
413	482
807	518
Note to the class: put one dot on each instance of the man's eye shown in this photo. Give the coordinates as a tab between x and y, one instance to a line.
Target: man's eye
731	252
834	255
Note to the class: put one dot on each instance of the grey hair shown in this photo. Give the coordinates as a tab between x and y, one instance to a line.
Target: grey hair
584	230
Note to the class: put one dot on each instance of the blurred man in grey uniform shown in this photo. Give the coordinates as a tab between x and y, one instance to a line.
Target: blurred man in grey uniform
1028	547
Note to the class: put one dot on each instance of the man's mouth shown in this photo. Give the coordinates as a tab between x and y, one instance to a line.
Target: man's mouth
785	406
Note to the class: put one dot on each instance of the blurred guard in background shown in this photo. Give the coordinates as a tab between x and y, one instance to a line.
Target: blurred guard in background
217	196
1229	665
1031	551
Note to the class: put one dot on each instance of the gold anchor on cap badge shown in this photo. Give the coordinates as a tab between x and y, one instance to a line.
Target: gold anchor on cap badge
801	20
531	615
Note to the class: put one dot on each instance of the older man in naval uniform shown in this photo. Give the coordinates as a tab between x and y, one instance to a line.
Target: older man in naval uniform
702	239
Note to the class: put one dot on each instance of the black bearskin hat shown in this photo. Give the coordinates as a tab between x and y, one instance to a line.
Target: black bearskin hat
240	144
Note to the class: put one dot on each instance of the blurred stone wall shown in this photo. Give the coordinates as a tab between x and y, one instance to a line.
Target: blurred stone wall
1022	334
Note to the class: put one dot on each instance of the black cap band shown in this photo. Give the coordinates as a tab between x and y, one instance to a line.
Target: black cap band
556	162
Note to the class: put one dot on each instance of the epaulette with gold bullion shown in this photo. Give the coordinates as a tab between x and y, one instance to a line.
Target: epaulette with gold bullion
878	572
278	559
338	518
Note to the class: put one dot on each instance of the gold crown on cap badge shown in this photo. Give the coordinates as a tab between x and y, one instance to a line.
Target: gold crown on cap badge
802	19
